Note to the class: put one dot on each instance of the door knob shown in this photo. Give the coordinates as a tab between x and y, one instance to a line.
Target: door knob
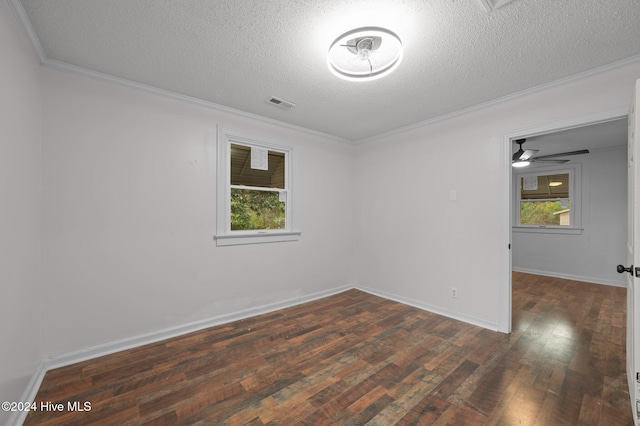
621	269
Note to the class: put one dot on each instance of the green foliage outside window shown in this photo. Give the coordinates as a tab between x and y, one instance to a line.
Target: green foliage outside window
251	209
541	212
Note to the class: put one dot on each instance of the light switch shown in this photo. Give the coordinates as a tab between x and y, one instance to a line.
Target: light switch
453	195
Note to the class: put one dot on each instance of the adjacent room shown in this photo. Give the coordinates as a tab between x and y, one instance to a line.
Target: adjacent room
583	190
283	212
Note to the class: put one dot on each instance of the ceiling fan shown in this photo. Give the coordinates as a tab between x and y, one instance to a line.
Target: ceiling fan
523	157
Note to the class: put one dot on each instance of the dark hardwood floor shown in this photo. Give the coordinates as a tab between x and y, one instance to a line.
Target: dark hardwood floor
355	359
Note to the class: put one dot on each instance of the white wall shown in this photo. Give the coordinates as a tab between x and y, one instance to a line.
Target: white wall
129	217
415	243
20	181
593	255
128	210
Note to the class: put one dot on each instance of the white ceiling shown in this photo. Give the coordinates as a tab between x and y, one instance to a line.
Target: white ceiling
591	137
237	53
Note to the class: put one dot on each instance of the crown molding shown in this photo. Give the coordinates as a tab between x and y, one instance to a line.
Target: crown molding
20	14
23	20
62	66
25	24
503	99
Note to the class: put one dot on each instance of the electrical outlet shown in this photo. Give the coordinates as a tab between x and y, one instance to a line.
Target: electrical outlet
454	293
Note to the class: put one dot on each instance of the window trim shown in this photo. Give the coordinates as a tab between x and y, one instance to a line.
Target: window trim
575	200
224	235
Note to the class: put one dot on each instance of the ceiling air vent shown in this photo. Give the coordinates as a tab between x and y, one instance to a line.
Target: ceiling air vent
280	103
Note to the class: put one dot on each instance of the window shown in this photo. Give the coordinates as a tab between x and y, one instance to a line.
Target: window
255	197
548	200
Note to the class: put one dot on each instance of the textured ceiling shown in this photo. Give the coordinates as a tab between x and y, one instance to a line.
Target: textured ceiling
237	53
592	137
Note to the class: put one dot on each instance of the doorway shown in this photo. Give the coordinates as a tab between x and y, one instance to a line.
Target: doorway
570	212
549	137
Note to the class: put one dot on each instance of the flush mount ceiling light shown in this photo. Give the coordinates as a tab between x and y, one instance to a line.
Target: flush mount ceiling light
365	54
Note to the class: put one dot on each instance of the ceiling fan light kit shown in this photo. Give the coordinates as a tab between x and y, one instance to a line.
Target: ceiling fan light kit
520	163
365	54
523	158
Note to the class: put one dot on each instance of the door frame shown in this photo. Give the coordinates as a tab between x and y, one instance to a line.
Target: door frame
506	195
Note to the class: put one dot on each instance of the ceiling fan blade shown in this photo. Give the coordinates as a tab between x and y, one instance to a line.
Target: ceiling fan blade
563	154
528	153
536	160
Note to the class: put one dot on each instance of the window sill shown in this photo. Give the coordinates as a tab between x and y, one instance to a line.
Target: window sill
547	230
256	238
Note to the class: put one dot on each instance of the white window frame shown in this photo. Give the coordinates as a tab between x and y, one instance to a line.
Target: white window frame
224	235
575	197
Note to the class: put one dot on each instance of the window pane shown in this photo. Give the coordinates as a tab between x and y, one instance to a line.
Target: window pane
545	186
555	213
243	174
251	209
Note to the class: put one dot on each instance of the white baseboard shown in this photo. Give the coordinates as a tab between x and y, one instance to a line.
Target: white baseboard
156	336
17	418
432	308
47	364
112	347
571	277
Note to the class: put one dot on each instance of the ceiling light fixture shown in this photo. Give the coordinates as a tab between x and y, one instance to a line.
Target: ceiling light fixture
365	54
520	163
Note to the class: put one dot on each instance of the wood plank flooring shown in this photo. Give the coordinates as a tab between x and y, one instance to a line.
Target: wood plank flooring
354	359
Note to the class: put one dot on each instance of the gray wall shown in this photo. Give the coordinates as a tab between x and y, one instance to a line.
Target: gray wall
592	256
129	215
128	210
20	212
415	243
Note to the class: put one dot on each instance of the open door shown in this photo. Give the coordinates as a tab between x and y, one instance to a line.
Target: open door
633	256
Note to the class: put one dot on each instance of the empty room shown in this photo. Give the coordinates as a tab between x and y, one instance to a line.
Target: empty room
284	212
